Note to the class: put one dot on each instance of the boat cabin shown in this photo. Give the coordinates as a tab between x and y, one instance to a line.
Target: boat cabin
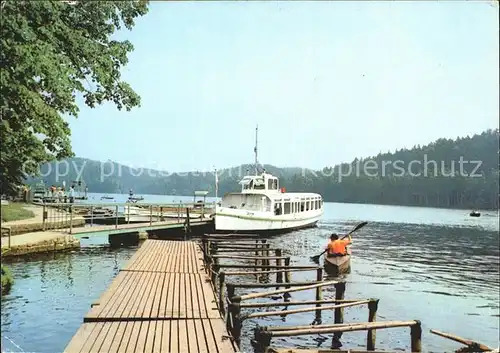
263	183
263	193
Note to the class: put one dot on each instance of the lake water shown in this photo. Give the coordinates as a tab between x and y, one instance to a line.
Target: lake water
439	266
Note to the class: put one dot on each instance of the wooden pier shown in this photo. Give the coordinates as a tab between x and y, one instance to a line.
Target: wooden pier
161	301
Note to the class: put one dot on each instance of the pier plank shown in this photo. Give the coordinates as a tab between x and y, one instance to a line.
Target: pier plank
156	295
167	256
200	333
180	336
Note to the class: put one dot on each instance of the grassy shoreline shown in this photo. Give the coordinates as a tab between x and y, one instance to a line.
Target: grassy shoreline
15	212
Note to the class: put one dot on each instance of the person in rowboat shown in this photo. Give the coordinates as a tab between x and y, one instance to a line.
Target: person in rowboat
336	246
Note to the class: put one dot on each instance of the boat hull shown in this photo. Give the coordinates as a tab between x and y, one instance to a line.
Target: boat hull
337	265
262	223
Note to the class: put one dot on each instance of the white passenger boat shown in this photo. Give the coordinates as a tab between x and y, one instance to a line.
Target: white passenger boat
263	206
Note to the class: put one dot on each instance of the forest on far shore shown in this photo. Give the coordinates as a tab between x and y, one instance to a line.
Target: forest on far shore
460	173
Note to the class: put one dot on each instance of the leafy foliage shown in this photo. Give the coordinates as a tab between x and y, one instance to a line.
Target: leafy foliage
6	279
52	51
423	185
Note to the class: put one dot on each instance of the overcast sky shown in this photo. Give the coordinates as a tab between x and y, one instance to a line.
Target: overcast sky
325	81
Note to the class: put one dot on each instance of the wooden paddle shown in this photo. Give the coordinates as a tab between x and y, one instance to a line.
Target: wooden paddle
359	226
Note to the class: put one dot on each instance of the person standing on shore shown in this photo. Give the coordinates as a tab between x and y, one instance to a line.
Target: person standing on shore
71	194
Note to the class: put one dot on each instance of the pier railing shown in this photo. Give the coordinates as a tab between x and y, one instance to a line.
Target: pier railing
471	346
66	216
254	257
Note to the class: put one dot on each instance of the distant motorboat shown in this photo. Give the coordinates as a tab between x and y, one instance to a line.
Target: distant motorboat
106	197
140	198
475	214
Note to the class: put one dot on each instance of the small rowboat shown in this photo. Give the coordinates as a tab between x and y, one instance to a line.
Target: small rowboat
474	214
337	265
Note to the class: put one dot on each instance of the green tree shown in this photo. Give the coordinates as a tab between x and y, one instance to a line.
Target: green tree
51	52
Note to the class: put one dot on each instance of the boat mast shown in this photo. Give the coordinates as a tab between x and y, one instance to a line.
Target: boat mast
255	150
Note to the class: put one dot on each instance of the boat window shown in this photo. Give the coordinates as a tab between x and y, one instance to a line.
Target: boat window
286	208
248	185
313	205
277	209
269	184
259	184
302	206
275	184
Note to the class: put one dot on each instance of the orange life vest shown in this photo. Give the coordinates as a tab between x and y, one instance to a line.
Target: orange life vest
338	246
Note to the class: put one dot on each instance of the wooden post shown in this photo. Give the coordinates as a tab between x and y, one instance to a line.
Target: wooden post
231	307
71	219
262	340
279	275
319	293
339	313
215	269
116	217
222	279
188	220
150	214
372	316
236	318
268	262
208	258
287	273
204	242
416	337
257	254
230	291
44	216
211	252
